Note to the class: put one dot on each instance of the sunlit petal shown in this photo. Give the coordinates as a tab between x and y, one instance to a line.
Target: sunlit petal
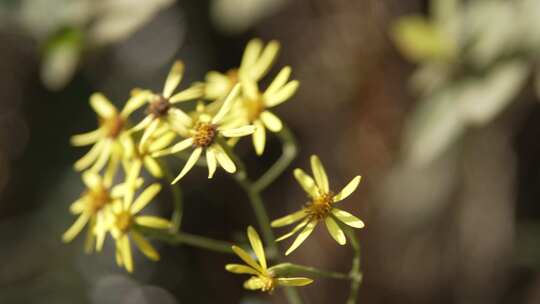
282	94
193	92
246	258
302	236
271	121
294	231
192	160
259	137
264	62
348	218
289	219
334	230
307	183
279	81
173	79
103	107
211	162
251	53
227	105
240	269
224	160
348	189
257	246
319	173
238	132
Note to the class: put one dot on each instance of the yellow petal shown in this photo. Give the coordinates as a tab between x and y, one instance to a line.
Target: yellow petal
334	230
100	230
347	190
153	222
89	158
103	156
181	146
195	91
259	137
240	269
271	121
102	105
128	189
76	228
118	254
257	246
114	163
161	142
224	160
238	132
319	173
348	218
302	236
136	101
144	246
306	182
251	53
91	179
250	89
78	206
142	124
90	236
193	158
86	139
246	258
294	281
253	283
126	253
227	105
173	79
279	81
148	132
179	118
153	167
211	162
282	94
294	231
146	197
264	62
289	219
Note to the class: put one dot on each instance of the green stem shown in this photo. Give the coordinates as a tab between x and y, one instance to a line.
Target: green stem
184	238
289	152
176	218
295	269
355	273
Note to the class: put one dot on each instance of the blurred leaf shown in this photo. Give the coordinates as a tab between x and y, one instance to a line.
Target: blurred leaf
480	100
236	16
60	58
419	39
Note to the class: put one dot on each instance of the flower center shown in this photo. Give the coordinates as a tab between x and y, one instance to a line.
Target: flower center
159	106
269	283
320	207
113	125
205	134
98	198
124	221
254	109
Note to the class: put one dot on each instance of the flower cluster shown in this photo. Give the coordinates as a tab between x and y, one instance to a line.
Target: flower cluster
227	106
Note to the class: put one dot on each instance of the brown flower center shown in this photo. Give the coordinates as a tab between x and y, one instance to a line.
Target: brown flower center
254	109
124	221
158	107
113	125
232	74
205	134
269	283
98	198
320	207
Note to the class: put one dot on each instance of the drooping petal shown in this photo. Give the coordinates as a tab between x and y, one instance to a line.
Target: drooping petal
238	132
259	137
271	121
334	230
184	144
192	160
307	183
88	138
193	92
90	236
173	79
148	131
211	161
153	222
302	236
100	230
224	160
145	197
282	94
89	158
257	246
144	246
348	189
294	231
240	269
126	253
279	81
227	105
153	167
246	258
320	174
289	219
294	281
76	228
347	218
103	156
264	62
103	107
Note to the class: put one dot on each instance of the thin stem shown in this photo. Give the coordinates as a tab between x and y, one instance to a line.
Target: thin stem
295	269
355	273
183	238
289	152
176	218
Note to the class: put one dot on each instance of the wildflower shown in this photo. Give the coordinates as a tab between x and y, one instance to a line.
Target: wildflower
160	106
263	278
321	207
124	222
106	140
204	132
92	208
256	62
255	105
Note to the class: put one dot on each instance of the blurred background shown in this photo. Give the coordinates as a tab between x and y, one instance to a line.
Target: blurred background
434	103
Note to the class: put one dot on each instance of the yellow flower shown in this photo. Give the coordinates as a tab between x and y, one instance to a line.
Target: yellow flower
123	226
203	134
92	208
256	62
320	208
160	108
106	140
263	278
255	105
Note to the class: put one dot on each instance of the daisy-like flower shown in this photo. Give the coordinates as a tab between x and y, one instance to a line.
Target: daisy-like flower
255	105
92	208
319	208
203	134
124	221
160	108
106	140
256	62
262	277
